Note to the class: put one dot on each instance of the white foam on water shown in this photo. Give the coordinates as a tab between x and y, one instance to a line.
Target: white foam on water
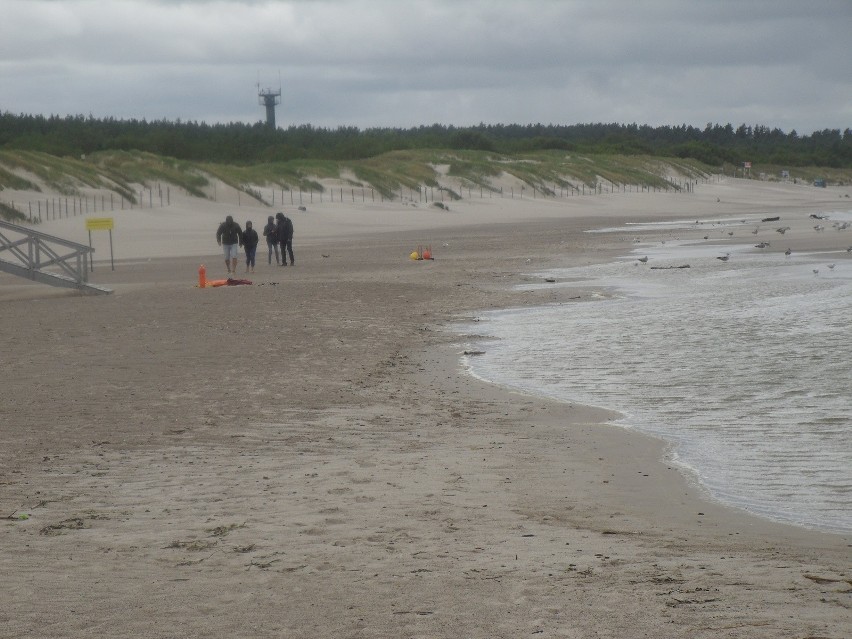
744	366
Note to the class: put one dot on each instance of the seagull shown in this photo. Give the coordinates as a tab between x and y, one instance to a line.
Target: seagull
849	250
783	229
730	233
831	267
706	237
816	271
643	259
819	227
724	257
788	252
761	245
754	232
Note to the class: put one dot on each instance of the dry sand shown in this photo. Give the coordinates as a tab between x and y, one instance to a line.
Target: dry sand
305	458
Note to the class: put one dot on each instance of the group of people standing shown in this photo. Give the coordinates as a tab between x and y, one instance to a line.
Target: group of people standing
278	233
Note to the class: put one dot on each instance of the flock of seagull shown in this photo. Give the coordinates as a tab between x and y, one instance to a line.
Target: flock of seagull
819	228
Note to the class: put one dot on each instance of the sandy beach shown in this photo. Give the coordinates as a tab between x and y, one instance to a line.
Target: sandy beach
306	457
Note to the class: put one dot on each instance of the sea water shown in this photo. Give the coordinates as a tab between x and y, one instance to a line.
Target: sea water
744	366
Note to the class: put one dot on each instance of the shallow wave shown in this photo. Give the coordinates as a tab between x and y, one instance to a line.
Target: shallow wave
744	366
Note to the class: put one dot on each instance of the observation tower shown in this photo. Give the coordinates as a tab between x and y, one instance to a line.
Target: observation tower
269	98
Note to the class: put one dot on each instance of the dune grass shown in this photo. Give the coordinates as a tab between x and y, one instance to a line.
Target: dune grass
11	214
453	171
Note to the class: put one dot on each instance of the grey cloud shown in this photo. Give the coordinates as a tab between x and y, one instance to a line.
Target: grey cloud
377	63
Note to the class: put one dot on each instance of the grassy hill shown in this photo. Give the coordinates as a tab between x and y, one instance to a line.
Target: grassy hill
548	172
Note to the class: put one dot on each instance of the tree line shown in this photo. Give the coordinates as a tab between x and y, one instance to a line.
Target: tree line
242	143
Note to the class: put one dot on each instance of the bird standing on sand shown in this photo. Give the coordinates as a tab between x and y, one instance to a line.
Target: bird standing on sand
724	257
643	259
788	252
831	267
816	271
783	229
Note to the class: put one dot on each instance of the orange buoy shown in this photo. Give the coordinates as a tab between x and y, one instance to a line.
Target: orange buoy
427	253
202	276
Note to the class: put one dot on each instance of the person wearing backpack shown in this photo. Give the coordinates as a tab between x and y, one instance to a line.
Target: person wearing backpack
285	237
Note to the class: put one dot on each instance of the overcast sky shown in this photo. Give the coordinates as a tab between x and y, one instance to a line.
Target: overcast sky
399	63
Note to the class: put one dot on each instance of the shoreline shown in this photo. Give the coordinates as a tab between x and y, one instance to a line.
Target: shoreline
612	418
673	495
693	474
352	470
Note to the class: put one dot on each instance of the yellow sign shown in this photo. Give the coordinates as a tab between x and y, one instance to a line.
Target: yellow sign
99	223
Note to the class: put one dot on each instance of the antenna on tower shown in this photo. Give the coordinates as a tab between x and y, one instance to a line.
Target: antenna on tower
269	98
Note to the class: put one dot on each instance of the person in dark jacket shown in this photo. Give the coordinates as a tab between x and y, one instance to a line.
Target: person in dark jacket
285	237
250	240
230	237
271	235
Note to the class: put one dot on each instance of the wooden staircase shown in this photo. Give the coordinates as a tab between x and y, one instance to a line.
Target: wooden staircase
46	258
